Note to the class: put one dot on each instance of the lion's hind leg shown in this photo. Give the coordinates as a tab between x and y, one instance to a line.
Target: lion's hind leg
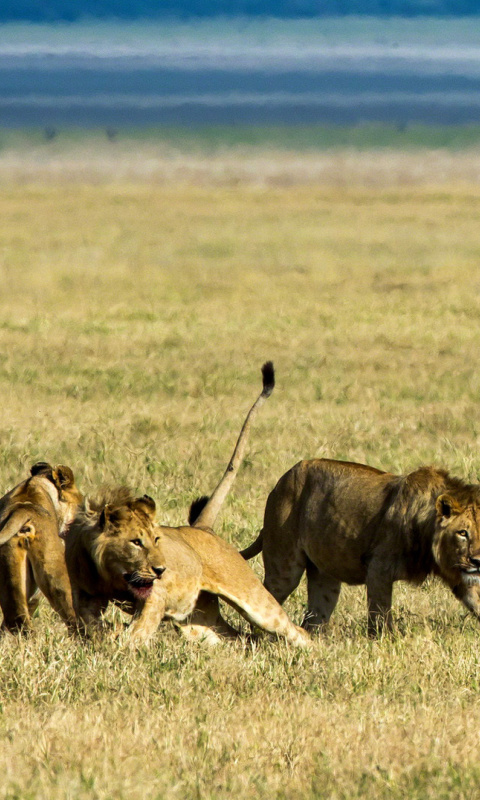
206	624
227	575
14	586
47	559
261	609
34	594
273	619
282	575
199	633
323	593
207	614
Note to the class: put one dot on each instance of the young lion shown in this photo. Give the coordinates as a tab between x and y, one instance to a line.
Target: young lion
116	553
345	522
112	554
33	515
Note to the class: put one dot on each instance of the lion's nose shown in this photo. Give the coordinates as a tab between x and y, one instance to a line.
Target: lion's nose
159	571
475	562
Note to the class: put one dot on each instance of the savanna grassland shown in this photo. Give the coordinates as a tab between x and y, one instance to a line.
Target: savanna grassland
136	310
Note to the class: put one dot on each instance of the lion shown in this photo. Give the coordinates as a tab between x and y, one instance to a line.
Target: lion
115	552
349	523
112	554
33	516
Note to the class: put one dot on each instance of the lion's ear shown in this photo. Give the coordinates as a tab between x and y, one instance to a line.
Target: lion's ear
447	506
113	515
61	476
147	505
41	468
64	476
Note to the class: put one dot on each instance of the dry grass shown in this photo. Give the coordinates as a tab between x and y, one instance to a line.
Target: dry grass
133	322
97	161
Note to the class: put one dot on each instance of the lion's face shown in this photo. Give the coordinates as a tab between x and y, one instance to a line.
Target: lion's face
127	548
457	541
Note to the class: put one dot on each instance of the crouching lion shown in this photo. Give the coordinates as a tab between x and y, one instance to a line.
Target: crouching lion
115	552
33	515
350	523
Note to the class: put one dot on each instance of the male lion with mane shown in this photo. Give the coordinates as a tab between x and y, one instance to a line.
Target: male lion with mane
350	523
115	552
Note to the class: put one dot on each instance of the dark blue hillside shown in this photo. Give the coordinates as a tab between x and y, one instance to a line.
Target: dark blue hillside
71	10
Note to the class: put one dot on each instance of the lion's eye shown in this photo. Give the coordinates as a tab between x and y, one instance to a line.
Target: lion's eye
137	542
463	534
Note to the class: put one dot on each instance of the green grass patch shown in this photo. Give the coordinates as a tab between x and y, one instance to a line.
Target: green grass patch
214	139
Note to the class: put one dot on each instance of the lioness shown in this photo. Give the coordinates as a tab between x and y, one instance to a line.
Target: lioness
115	552
33	515
345	522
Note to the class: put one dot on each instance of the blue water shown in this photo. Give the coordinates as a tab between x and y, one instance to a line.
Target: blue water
139	79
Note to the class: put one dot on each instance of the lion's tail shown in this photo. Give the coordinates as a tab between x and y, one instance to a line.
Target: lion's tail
253	549
208	514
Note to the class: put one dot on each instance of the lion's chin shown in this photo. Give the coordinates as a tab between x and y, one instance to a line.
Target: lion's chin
141	593
141	588
470	577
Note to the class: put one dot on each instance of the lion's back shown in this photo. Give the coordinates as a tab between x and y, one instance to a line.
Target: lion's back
331	510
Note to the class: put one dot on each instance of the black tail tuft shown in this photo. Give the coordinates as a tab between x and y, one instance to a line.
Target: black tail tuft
196	508
268	374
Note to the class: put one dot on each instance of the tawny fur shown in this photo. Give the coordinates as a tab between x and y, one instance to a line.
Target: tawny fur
348	523
186	568
32	517
199	566
113	554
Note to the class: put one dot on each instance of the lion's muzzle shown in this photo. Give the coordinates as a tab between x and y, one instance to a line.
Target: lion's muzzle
159	571
141	586
472	570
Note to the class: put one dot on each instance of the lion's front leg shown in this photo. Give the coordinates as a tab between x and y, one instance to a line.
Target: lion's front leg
89	610
470	597
148	616
379	598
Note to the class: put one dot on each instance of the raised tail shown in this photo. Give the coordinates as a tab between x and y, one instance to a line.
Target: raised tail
209	512
196	507
253	549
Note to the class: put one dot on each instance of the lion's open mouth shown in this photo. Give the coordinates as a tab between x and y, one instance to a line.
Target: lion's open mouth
139	587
